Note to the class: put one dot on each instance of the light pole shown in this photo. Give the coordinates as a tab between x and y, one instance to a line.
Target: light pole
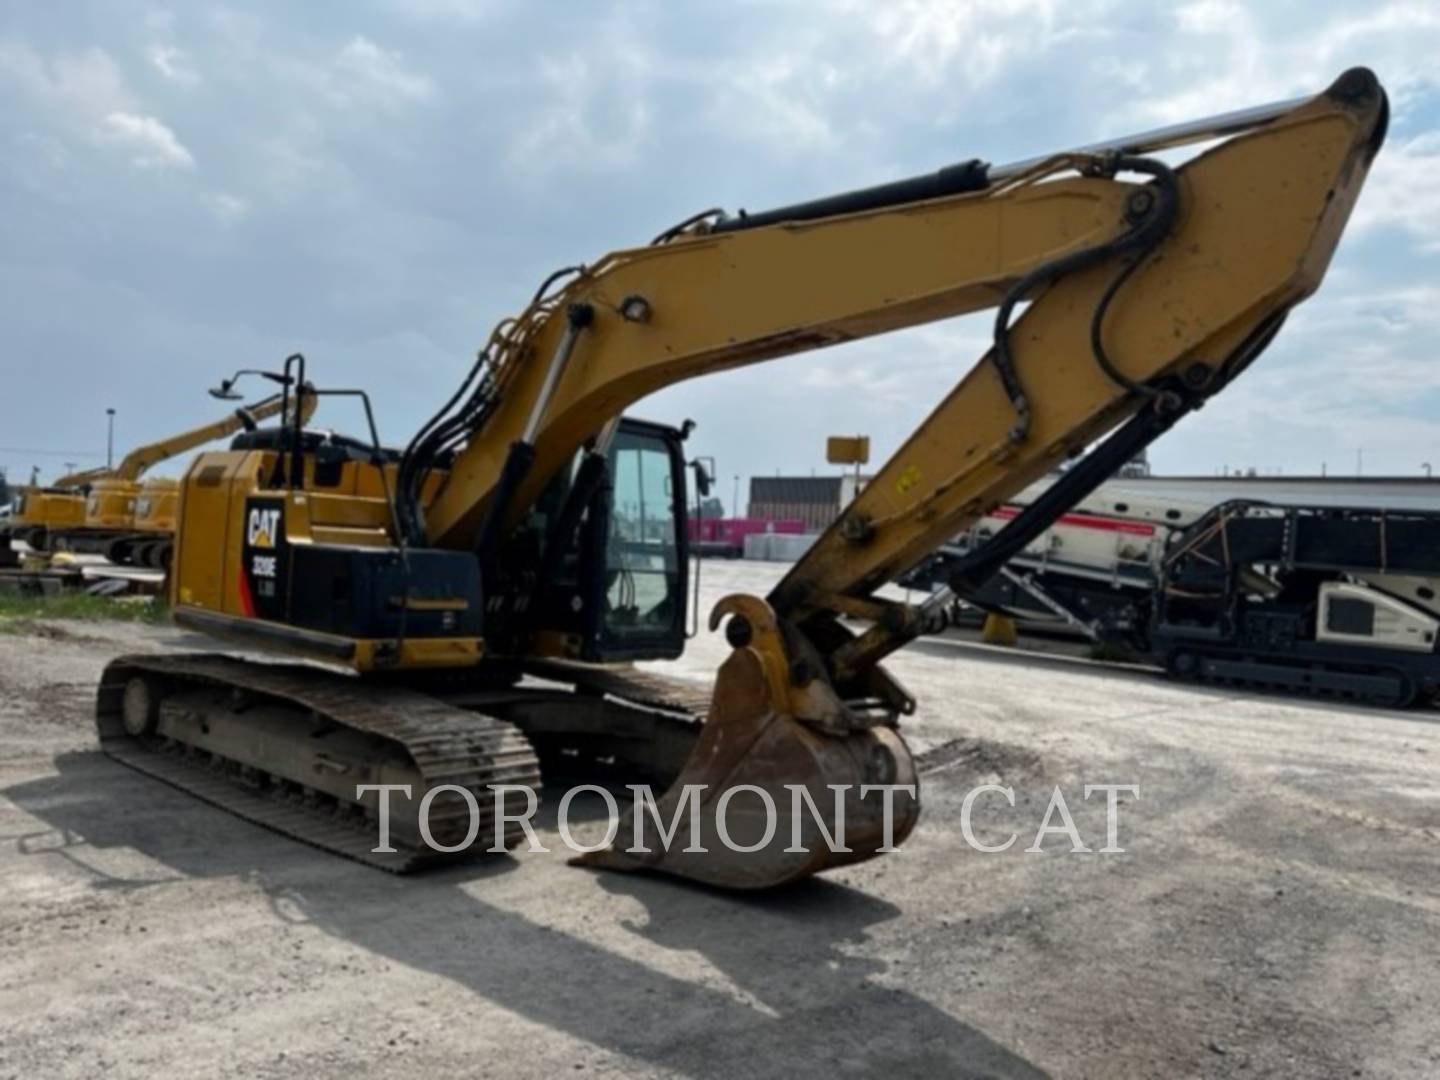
109	438
735	499
1426	466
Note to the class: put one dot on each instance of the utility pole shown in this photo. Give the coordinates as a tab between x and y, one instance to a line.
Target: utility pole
110	438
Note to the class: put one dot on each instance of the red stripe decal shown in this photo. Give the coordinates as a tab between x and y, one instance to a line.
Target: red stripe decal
1085	521
247	602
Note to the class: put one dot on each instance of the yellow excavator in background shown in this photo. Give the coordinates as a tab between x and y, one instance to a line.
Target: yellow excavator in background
35	510
112	511
482	594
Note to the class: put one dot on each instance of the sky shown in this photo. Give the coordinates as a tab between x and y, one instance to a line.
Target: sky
193	189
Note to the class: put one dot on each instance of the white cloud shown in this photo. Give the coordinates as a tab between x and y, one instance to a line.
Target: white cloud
595	114
85	94
228	208
1209	16
1363	348
1226	55
877	386
174	64
902	371
927	37
76	84
293	163
366	74
1401	190
152	145
778	100
460	10
822	83
1352	370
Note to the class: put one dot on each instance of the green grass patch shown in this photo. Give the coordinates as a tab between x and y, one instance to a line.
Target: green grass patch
18	611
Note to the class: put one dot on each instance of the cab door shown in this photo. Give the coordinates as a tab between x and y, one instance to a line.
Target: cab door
646	571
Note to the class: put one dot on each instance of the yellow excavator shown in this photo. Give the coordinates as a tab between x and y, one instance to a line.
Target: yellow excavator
477	600
34	511
113	511
38	510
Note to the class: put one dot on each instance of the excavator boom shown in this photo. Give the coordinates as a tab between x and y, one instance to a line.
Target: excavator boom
134	464
81	478
137	461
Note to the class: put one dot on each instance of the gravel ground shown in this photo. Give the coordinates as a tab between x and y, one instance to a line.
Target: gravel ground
1276	911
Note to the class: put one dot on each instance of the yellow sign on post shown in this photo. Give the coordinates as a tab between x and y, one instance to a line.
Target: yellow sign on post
847	449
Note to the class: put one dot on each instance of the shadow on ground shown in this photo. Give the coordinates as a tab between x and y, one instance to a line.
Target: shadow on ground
786	994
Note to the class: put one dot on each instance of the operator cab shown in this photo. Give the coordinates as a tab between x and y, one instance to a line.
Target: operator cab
597	571
614	587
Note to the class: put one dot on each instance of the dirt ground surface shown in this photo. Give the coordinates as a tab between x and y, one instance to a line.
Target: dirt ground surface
1276	911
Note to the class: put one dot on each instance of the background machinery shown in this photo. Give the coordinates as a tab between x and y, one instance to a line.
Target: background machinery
1326	599
35	511
1093	571
488	586
114	512
38	509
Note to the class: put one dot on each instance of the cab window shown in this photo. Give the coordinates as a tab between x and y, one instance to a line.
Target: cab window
644	580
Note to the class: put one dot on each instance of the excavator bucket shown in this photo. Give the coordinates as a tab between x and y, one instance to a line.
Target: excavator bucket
773	791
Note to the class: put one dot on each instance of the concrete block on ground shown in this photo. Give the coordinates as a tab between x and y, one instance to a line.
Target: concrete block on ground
778	547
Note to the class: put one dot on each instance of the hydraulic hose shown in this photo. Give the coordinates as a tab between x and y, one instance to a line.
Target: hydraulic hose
1151	211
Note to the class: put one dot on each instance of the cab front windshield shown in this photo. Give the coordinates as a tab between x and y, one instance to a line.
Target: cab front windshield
644	586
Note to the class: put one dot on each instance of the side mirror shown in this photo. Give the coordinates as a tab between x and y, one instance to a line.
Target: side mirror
702	478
